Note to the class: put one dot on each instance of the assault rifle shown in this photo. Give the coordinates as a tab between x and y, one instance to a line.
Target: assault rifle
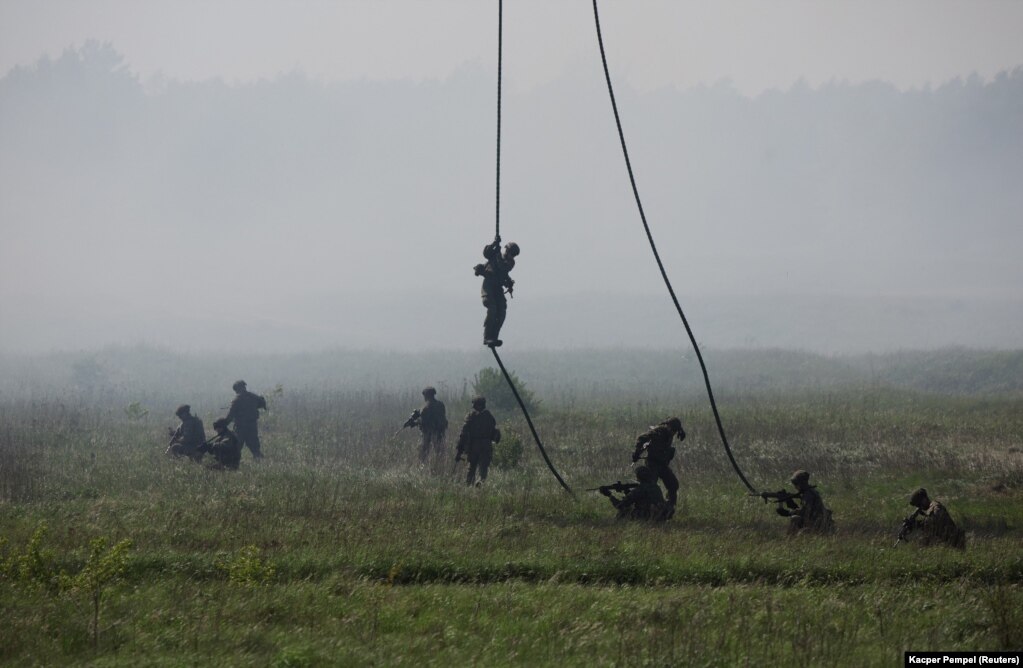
412	421
619	486
781	497
906	527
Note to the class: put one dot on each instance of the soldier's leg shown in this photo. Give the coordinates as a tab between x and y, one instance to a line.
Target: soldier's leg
474	460
248	437
486	454
667	476
254	443
502	311
424	447
439	447
497	308
489	323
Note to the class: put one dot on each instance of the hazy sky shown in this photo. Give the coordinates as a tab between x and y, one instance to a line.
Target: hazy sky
756	45
346	206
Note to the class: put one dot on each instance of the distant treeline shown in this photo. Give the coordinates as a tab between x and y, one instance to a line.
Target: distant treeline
386	188
557	377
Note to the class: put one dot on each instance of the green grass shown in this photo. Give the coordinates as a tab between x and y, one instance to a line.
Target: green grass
337	549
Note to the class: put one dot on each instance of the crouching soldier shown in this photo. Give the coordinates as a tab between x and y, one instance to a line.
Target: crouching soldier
189	436
224	447
476	441
643	502
933	522
804	508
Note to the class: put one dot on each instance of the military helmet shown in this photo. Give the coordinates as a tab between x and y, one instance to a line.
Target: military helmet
645	474
513	248
800	477
220	423
238	385
479	402
429	391
183	409
918	497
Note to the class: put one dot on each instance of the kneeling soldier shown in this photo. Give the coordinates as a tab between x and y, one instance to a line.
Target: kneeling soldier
190	435
224	447
933	521
642	502
805	508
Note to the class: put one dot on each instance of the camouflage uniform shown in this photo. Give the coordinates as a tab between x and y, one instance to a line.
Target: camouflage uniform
188	437
811	514
642	503
433	425
479	432
935	524
659	453
244	413
495	280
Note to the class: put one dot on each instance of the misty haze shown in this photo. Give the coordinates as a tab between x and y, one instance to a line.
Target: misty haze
289	215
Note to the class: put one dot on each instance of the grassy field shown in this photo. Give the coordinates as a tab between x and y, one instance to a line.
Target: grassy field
339	549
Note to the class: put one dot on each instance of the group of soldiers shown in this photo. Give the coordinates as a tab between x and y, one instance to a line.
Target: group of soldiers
804	507
189	439
644	500
476	439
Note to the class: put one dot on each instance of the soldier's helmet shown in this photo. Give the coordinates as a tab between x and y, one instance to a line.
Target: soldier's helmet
183	409
220	423
512	248
479	402
800	477
645	474
919	497
238	386
429	391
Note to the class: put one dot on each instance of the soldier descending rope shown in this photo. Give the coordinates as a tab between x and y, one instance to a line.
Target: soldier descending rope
495	281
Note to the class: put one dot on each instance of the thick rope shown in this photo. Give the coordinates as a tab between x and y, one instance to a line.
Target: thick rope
500	32
536	436
660	265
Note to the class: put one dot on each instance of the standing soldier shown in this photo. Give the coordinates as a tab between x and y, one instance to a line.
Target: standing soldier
659	453
495	280
934	522
479	433
190	435
244	413
433	425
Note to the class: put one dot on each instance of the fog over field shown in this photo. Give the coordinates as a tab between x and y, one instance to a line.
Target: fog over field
299	212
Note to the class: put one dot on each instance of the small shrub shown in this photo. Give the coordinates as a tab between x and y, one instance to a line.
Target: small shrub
101	569
490	383
248	568
508	452
36	565
135	411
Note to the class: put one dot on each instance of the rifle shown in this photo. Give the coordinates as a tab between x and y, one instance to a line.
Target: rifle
781	497
907	526
619	486
412	421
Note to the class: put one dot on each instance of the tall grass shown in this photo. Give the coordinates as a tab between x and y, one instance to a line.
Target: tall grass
338	548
